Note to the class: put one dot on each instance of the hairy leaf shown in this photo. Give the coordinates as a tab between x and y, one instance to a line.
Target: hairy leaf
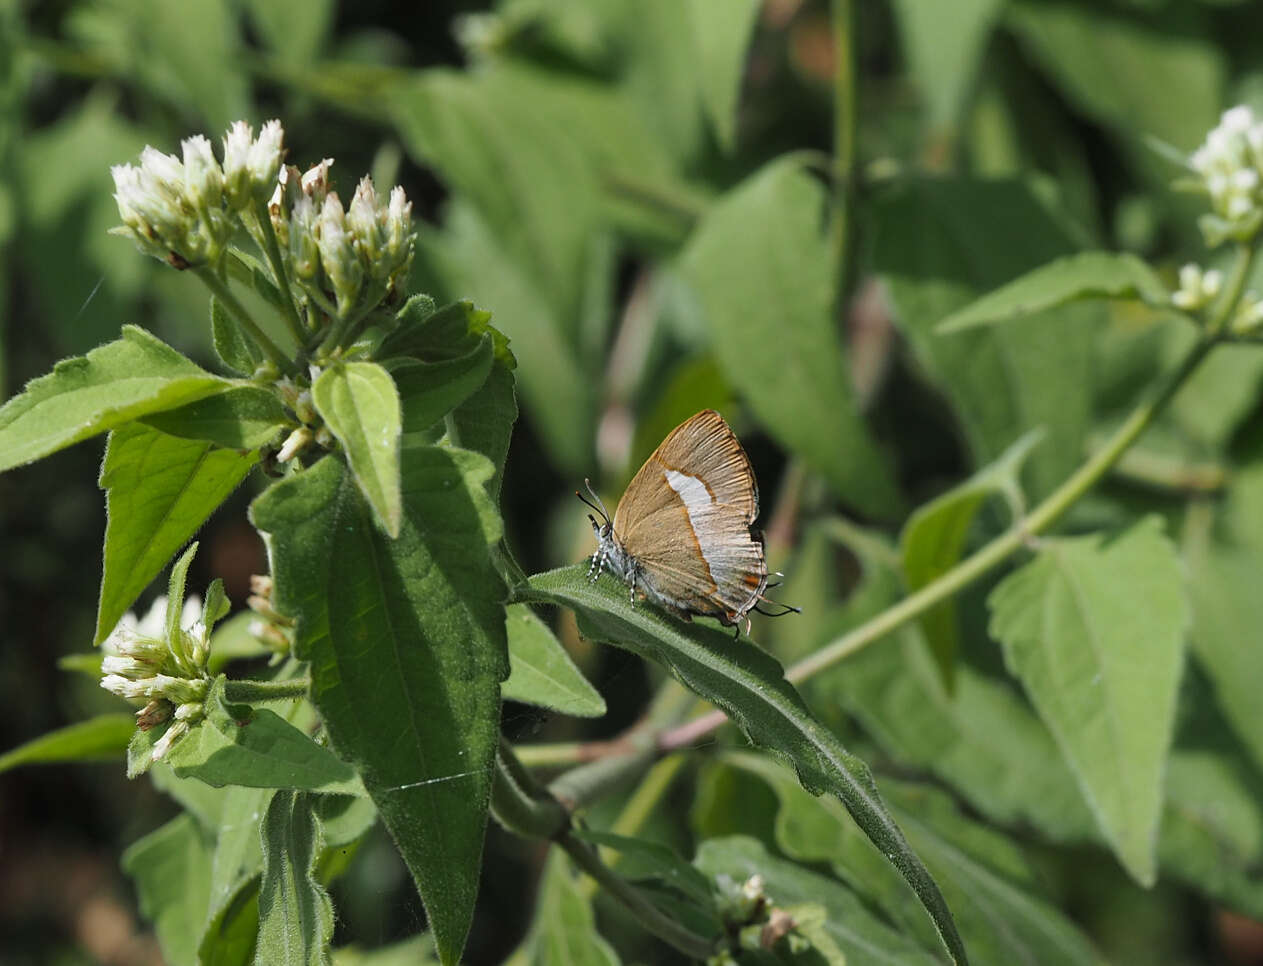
407	649
86	395
541	672
171	868
247	417
159	490
360	405
295	912
564	929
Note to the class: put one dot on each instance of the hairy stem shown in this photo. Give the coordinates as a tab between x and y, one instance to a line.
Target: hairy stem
273	252
252	692
223	293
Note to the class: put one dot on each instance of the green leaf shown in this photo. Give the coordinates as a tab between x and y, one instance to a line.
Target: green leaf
295	913
232	917
234	350
990	885
484	423
104	736
1227	611
1095	632
86	395
1106	62
171	868
933	540
541	672
750	687
944	46
175	592
159	490
256	748
721	35
563	929
865	937
643	859
428	391
295	30
407	650
1002	381
762	271
360	405
247	417
1087	275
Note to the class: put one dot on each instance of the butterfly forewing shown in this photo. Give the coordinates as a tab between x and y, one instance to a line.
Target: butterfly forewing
686	516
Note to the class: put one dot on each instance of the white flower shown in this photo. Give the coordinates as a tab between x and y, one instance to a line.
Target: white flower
338	257
1197	288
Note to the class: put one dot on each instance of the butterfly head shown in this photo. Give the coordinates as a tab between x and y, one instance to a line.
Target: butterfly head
605	527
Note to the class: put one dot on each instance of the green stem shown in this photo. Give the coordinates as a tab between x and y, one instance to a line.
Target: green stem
519	804
251	692
844	126
223	293
551	755
647	914
273	251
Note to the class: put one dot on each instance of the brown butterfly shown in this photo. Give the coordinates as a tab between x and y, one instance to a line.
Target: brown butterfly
681	533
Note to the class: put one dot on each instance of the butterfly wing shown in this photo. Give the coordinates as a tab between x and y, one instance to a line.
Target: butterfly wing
686	516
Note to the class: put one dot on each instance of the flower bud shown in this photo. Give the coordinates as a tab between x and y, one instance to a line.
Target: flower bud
338	257
295	443
203	179
154	713
237	181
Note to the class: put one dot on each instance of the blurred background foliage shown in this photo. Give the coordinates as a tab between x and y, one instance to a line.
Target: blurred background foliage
573	164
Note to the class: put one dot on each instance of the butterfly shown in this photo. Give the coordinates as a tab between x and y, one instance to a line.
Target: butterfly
681	535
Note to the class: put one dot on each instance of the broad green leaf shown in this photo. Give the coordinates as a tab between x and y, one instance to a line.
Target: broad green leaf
721	36
1087	275
1095	631
761	269
256	748
86	395
405	639
1106	63
469	258
247	417
563	929
159	490
428	391
1002	381
360	405
295	912
991	887
750	687
1227	614
104	736
933	540
863	936
541	672
944	45
234	350
171	868
981	738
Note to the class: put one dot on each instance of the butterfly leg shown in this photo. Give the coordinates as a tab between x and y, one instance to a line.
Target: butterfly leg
598	563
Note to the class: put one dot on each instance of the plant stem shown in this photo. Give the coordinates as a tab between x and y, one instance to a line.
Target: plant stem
223	293
250	692
646	913
519	804
844	126
273	252
992	554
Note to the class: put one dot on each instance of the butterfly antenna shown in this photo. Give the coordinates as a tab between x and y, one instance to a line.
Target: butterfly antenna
785	608
598	506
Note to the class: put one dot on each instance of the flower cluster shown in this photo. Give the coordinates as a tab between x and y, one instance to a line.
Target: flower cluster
182	210
169	676
359	253
1229	166
1197	288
